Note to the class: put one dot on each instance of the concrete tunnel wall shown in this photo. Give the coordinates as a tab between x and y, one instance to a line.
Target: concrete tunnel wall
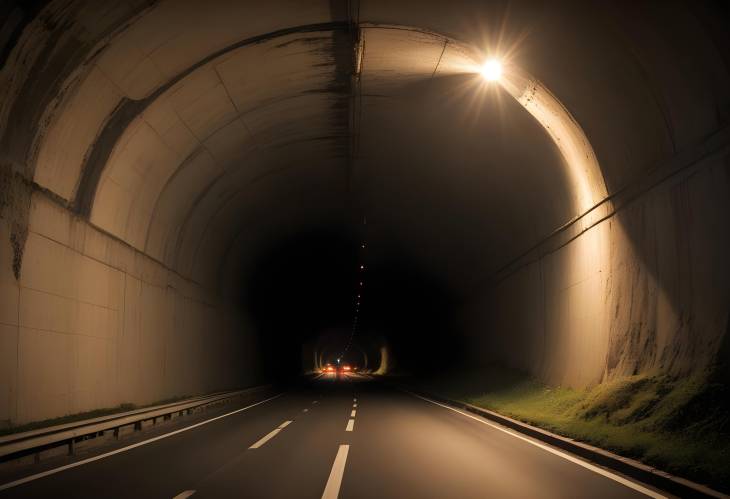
637	283
145	146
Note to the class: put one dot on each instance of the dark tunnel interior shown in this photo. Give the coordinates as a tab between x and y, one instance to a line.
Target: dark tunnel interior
303	290
517	203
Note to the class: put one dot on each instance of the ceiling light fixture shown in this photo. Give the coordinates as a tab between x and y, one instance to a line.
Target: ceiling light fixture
492	70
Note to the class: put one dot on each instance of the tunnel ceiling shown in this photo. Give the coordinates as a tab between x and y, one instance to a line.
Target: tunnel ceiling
194	132
187	183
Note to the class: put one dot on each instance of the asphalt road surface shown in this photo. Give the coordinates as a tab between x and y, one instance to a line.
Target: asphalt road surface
345	437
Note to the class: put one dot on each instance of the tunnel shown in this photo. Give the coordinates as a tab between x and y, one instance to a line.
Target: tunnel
207	196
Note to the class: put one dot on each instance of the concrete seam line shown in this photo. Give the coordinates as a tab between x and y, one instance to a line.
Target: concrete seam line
580	462
128	447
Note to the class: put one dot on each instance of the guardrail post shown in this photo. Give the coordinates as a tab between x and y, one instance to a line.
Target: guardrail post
68	435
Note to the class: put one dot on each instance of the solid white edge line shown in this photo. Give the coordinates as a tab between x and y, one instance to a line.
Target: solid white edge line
184	494
332	489
601	471
352	414
350	425
128	447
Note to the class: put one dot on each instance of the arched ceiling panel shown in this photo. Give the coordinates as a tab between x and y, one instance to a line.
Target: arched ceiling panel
175	35
201	111
394	56
298	193
62	152
260	168
461	165
176	200
226	90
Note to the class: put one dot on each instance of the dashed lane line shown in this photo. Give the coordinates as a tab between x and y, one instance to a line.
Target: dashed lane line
270	435
332	489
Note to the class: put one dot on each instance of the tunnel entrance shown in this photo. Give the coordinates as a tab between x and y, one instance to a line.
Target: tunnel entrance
183	190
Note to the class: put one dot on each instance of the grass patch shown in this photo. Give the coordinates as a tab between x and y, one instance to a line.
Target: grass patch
680	425
72	418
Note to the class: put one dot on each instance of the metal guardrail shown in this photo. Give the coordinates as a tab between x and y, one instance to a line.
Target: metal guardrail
21	444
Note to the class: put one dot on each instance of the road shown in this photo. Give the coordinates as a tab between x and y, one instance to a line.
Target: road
344	437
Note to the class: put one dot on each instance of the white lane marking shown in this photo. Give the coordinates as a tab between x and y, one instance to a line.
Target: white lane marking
305	410
350	425
352	414
623	481
265	438
354	405
124	449
184	495
332	489
354	399
270	435
314	401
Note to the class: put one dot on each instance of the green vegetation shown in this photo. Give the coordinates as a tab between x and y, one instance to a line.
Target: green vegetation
680	425
71	418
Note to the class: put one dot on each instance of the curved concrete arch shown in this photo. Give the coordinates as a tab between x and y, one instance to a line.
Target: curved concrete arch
216	106
147	165
456	60
442	56
413	54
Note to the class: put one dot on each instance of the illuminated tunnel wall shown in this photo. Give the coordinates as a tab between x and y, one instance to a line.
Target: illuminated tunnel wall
574	216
